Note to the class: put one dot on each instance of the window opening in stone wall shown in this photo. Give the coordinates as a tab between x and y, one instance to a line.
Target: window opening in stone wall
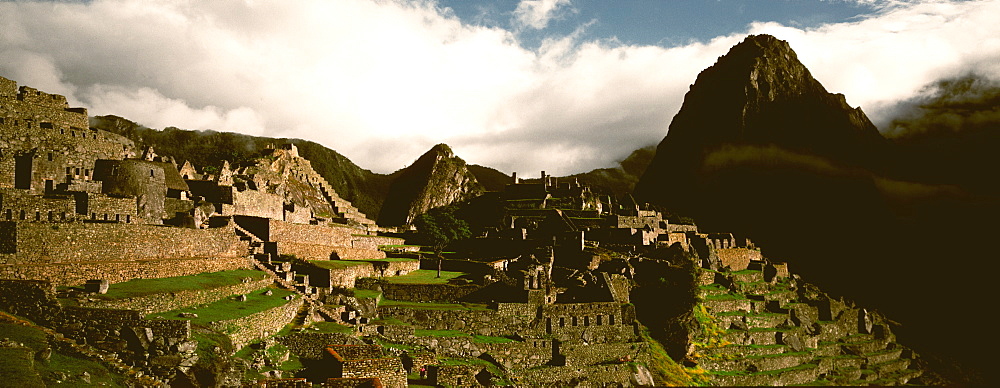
77	171
599	316
50	156
23	166
118	218
86	172
51	216
9	214
72	133
574	321
62	131
150	172
105	216
611	319
62	216
93	216
24	215
586	321
562	322
128	219
38	216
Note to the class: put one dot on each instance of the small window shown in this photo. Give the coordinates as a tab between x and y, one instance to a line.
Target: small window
9	214
72	133
128	219
611	319
93	216
151	172
574	321
69	170
38	216
51	216
50	156
77	171
118	218
24	215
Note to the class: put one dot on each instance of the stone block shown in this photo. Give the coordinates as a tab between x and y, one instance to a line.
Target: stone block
97	286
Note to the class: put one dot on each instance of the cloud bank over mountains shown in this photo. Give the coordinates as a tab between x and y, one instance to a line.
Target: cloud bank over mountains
381	82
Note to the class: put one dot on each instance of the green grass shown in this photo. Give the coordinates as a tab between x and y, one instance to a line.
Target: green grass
362	293
330	327
337	264
432	306
725	297
229	308
18	369
665	371
141	287
389	344
424	276
391	260
389	321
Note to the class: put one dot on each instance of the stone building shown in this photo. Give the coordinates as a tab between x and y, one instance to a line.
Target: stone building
366	362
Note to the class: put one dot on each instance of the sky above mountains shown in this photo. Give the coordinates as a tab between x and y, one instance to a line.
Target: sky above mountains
563	86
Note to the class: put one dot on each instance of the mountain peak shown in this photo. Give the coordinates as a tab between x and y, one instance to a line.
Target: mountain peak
758	95
437	178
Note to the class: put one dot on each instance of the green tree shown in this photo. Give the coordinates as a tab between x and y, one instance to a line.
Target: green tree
439	227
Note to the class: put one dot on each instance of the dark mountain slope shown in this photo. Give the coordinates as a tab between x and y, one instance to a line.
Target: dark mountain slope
760	147
619	180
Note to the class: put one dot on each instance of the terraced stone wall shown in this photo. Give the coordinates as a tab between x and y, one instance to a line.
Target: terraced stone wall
419	292
90	242
102	207
281	231
455	375
85	321
245	330
147	304
312	346
120	271
590	354
473	321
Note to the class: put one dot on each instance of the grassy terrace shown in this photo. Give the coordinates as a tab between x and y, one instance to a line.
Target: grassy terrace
337	264
432	306
330	327
424	276
230	308
142	287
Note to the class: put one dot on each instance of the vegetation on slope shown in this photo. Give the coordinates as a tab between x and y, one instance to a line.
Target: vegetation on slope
208	149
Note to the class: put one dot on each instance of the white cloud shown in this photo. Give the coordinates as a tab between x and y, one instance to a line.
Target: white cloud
537	13
381	82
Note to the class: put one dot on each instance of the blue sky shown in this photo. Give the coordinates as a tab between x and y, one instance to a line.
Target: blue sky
663	23
563	86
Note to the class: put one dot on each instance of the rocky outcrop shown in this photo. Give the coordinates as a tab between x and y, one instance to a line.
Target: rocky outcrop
437	178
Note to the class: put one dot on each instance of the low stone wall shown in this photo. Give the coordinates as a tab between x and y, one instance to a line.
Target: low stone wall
373	242
482	322
418	292
175	300
88	242
88	320
259	325
312	346
455	375
120	271
33	299
521	355
580	354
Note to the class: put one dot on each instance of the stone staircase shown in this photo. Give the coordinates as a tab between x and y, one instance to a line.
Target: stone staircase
775	330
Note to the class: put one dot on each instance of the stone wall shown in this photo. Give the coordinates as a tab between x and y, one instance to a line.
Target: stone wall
19	205
255	203
312	346
455	375
326	252
33	299
347	277
594	376
590	354
373	382
175	300
737	259
245	330
418	292
120	271
89	242
281	231
102	207
110	320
